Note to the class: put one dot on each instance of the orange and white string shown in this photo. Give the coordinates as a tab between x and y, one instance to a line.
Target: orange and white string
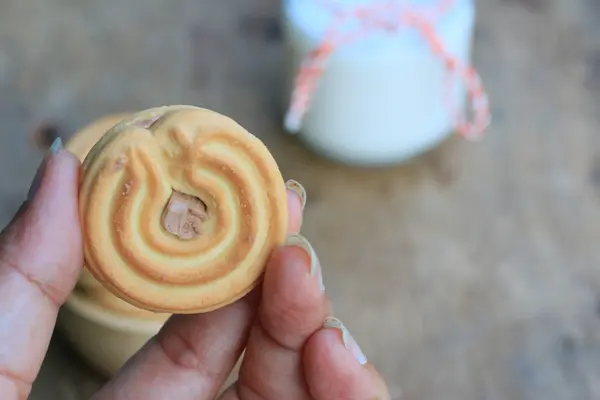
390	16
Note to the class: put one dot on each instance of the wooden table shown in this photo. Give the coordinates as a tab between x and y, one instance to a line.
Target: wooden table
472	273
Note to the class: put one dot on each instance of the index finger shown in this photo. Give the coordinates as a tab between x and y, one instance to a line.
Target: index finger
40	261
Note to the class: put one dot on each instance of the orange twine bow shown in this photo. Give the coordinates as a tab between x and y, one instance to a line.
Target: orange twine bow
390	16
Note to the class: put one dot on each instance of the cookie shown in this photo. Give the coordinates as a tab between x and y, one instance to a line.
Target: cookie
180	208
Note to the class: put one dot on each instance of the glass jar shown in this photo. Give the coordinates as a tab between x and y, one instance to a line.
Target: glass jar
382	98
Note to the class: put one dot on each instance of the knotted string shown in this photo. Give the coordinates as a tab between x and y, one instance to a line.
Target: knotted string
390	16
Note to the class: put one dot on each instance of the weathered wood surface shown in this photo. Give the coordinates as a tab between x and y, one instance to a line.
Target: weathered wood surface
473	273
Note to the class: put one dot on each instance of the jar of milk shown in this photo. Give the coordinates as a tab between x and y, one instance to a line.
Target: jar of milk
373	82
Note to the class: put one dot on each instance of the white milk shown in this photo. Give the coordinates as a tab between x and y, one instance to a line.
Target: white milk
381	99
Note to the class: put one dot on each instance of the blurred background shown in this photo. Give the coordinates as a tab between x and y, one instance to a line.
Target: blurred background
471	272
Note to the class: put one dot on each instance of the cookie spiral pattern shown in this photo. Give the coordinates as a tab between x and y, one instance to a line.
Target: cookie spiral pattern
181	208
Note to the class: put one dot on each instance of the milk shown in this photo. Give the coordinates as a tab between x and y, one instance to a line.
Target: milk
382	99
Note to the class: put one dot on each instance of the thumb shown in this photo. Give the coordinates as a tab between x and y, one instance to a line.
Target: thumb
44	237
40	261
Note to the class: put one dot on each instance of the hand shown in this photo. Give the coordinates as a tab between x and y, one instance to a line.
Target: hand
293	349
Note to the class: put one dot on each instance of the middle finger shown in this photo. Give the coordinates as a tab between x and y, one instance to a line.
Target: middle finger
193	354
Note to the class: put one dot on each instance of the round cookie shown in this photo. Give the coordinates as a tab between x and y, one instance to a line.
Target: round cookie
181	208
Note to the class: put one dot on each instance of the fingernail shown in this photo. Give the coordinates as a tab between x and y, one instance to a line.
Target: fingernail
297	188
349	342
315	266
54	148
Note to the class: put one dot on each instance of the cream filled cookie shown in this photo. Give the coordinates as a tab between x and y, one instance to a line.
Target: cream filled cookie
181	208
